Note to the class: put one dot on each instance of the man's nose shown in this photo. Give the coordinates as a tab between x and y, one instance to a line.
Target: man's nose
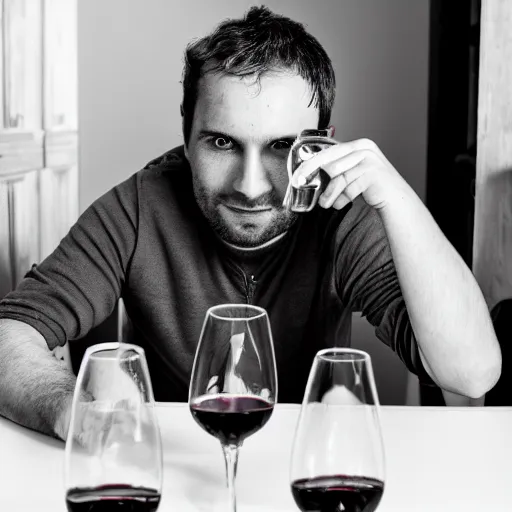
253	180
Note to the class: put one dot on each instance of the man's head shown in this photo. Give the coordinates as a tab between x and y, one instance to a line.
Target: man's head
249	88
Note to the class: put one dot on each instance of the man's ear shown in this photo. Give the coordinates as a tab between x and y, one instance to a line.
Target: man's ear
332	130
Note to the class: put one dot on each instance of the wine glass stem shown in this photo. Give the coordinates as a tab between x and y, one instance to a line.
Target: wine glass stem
231	459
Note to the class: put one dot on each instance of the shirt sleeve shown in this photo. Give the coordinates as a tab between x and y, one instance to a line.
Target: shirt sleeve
77	286
368	283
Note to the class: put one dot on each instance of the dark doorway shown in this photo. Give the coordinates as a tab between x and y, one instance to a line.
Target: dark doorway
452	128
452	119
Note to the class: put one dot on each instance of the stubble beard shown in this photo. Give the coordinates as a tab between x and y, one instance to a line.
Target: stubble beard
245	235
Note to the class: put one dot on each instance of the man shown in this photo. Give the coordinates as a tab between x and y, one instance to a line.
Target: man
205	224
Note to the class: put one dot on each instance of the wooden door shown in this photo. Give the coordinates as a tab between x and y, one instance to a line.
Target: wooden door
38	132
21	138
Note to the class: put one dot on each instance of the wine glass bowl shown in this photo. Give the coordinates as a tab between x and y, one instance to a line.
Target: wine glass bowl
233	386
231	418
338	456
113	456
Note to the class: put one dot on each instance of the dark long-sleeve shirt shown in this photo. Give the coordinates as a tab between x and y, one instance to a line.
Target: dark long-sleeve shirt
147	241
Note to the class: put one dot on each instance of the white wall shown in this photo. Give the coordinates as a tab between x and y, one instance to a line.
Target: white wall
130	62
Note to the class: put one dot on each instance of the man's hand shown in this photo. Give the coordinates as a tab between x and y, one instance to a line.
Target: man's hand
63	418
99	425
355	168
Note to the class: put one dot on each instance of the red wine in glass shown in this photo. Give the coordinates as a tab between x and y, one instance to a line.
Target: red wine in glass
338	455
113	457
233	386
335	493
109	498
231	418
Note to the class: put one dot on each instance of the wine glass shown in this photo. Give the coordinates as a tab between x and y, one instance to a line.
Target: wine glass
338	455
233	386
113	457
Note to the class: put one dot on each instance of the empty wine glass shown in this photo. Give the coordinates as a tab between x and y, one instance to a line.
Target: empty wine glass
233	386
113	457
338	457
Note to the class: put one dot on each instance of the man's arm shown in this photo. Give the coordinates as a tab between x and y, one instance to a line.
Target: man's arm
454	400
61	299
448	314
36	388
457	343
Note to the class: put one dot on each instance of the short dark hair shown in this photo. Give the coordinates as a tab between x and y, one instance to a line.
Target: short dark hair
259	42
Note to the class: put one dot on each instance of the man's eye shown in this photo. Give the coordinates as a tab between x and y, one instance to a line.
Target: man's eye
222	143
282	145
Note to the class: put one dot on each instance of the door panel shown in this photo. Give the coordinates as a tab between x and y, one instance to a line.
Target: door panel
22	25
60	73
59	205
6	269
25	222
59	178
60	148
20	151
19	207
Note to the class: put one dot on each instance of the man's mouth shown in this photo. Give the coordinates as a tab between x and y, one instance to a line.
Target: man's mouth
248	210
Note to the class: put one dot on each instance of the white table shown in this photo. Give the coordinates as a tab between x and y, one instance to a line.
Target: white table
438	459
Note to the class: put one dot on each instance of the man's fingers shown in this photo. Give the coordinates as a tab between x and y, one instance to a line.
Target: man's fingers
341	202
345	164
321	159
339	185
354	189
334	189
347	152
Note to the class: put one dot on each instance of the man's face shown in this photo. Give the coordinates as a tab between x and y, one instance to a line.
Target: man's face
241	134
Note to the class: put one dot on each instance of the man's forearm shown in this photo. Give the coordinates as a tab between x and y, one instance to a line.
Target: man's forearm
36	389
446	308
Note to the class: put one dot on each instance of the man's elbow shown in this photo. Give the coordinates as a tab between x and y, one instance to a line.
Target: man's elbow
484	378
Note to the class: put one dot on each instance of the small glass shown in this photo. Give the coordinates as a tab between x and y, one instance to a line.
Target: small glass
338	456
233	387
308	144
113	456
